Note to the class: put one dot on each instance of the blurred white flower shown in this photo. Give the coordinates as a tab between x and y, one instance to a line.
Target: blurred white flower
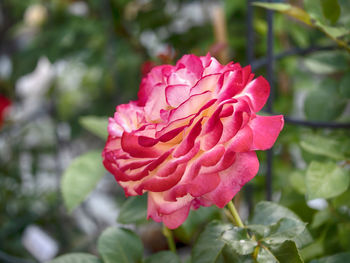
318	203
32	87
5	67
39	243
70	74
79	8
190	14
35	15
35	84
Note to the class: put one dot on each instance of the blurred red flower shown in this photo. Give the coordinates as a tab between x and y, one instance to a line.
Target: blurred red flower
5	103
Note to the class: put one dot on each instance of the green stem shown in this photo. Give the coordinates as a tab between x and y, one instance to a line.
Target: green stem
340	43
169	236
255	253
231	207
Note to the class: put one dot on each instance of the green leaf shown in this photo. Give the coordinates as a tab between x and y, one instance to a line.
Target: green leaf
76	258
119	245
275	234
343	234
325	180
320	218
323	105
287	9
228	255
333	32
313	250
345	86
284	229
287	253
312	18
95	125
337	258
320	145
238	239
331	10
162	257
314	9
297	181
195	222
326	62
210	244
266	256
217	238
342	199
268	213
81	177
134	210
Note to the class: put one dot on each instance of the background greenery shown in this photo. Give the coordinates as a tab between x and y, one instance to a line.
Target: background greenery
93	59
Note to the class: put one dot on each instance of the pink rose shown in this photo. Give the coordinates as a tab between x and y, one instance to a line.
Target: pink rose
190	138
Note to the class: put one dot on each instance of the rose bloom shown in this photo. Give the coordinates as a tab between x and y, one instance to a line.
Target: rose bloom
190	138
5	104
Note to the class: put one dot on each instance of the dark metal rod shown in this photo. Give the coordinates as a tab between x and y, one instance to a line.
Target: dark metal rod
249	190
250	33
258	63
270	58
270	67
317	124
12	259
269	171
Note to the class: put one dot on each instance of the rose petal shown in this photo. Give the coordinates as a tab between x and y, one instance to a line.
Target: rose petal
242	141
211	65
130	144
155	102
158	75
207	83
176	94
258	92
232	179
265	131
192	63
176	219
161	183
196	182
195	103
158	208
187	144
232	84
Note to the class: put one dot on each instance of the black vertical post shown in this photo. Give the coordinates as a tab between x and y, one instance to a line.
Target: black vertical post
250	57
250	33
270	59
270	66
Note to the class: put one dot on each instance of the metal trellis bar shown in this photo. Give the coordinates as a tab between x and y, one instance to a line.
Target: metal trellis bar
269	61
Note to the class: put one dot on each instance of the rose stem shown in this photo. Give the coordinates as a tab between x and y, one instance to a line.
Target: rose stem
231	207
169	236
